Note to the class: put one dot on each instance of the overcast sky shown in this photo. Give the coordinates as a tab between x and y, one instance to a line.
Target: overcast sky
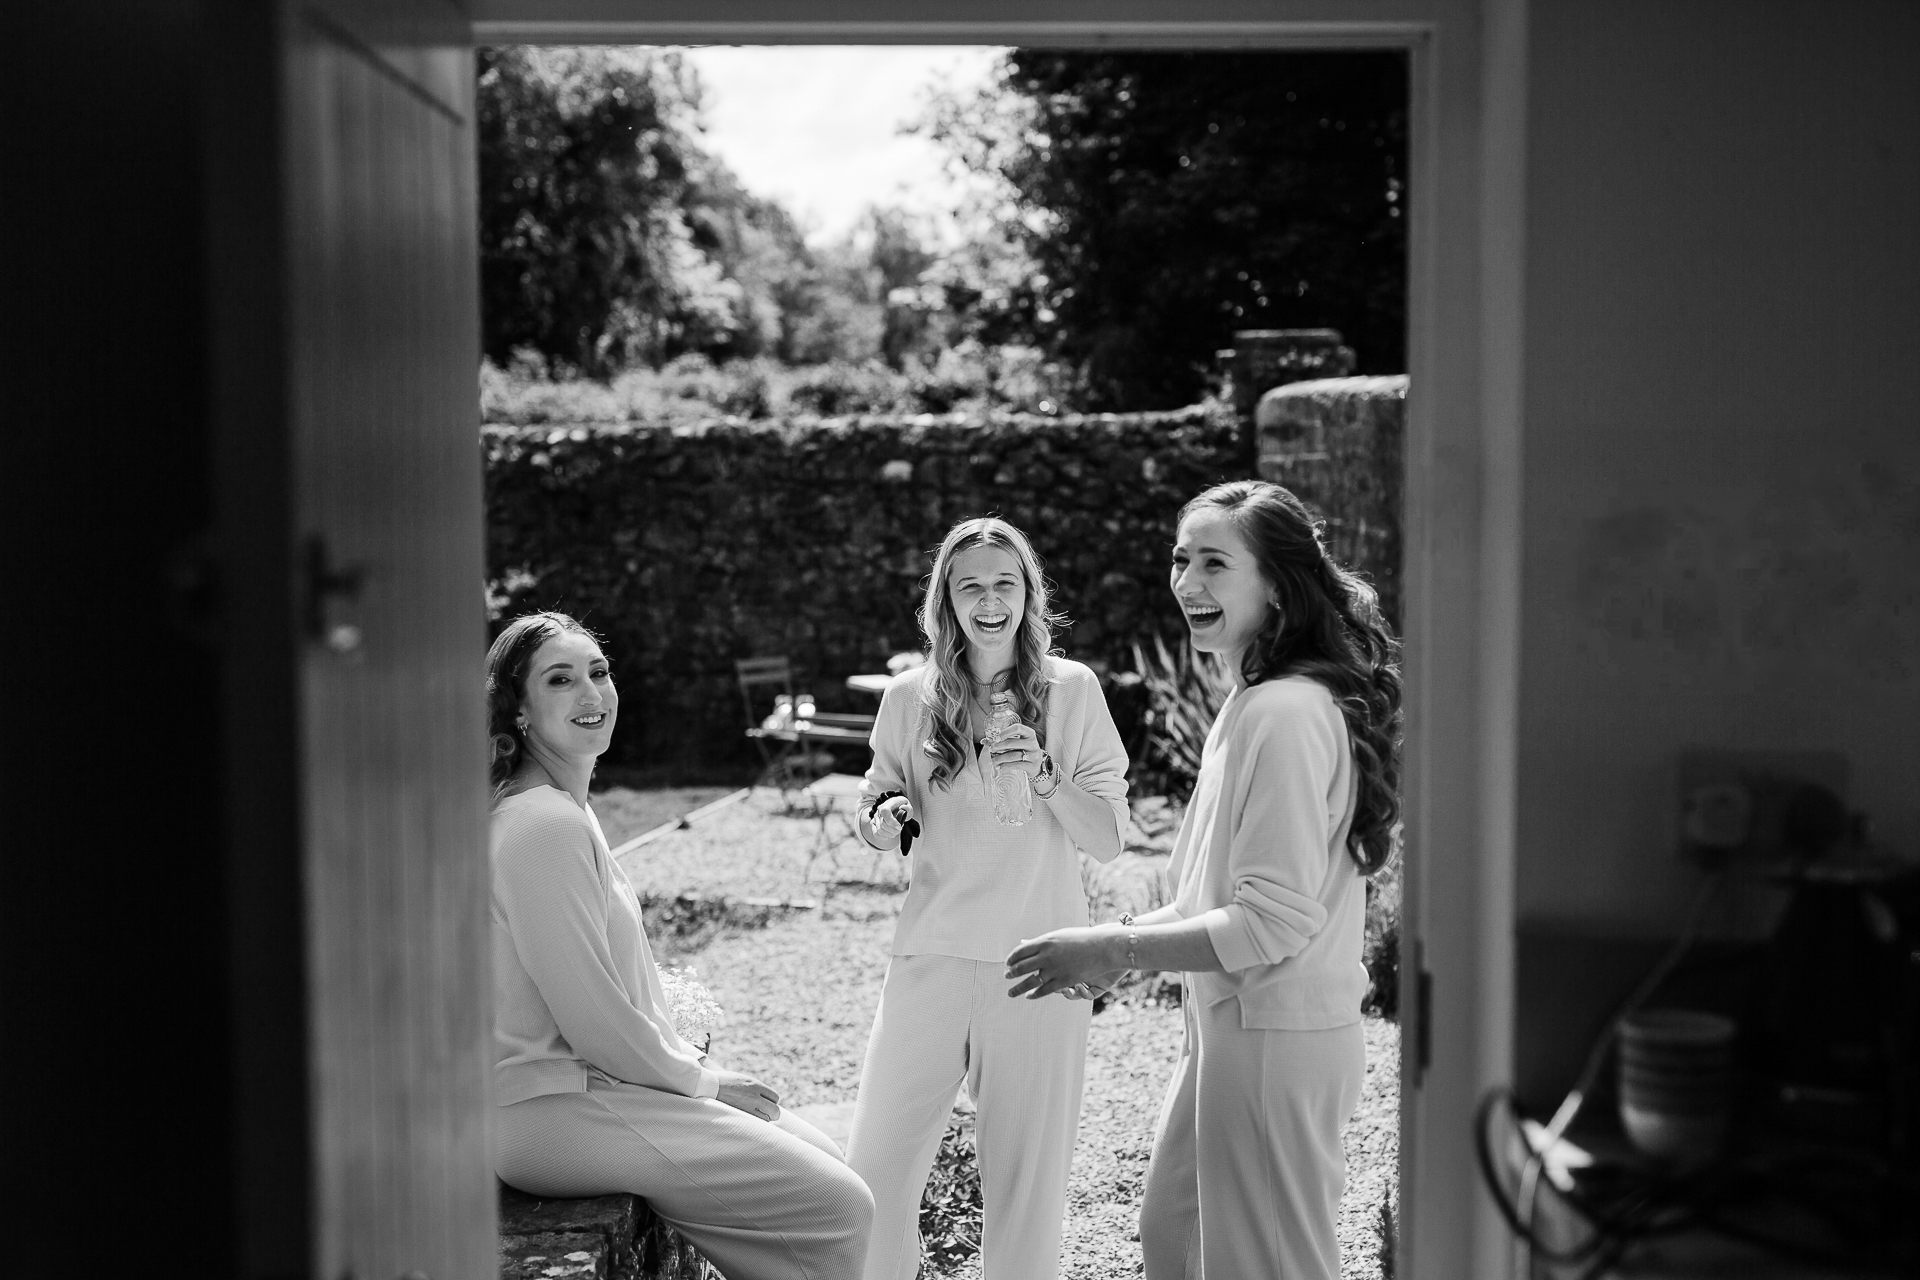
817	127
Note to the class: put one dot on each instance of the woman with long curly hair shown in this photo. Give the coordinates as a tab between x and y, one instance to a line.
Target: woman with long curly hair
597	1092
977	888
1296	803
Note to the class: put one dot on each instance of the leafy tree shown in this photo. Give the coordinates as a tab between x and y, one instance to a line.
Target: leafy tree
585	254
757	245
1163	200
610	238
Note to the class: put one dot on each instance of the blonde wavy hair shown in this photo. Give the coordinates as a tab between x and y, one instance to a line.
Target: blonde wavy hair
949	682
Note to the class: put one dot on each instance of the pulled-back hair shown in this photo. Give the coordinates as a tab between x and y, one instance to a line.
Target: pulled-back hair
948	684
507	664
1328	626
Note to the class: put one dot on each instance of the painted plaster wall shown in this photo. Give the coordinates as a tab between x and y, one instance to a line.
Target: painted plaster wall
1722	448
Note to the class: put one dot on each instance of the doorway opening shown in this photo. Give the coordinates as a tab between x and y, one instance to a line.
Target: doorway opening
1136	248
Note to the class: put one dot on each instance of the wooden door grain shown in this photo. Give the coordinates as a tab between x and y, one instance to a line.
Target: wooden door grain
383	341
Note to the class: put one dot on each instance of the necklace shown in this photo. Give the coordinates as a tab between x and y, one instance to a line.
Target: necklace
980	701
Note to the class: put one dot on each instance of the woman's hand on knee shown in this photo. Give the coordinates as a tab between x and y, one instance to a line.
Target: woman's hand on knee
744	1093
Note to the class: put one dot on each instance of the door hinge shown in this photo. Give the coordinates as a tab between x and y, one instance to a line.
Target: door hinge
327	582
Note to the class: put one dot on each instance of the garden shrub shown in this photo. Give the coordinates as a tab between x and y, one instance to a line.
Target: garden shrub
952	1206
688	548
1184	694
1380	946
841	389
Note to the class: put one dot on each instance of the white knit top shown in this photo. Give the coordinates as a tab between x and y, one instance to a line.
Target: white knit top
575	989
1262	857
979	888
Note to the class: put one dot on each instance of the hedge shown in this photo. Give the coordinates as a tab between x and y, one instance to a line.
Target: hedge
688	548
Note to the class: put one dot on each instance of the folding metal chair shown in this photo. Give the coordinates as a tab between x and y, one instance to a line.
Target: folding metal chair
792	755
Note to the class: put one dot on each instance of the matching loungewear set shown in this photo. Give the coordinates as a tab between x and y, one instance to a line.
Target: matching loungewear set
597	1094
979	889
1247	1165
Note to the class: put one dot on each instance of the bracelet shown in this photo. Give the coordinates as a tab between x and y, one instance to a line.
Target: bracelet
1046	771
1133	937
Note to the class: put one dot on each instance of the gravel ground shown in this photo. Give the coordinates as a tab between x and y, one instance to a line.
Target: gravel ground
801	991
626	812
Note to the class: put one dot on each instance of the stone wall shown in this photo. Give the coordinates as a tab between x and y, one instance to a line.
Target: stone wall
614	1237
690	548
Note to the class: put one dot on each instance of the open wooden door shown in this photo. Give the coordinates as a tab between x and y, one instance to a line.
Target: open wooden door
383	273
357	205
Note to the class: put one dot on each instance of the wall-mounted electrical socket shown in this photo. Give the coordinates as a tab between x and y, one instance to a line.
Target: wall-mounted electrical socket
1749	810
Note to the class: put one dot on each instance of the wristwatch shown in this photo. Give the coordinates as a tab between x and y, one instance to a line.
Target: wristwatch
1046	774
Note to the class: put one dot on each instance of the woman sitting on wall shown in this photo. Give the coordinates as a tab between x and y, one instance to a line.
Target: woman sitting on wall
978	887
597	1092
1295	804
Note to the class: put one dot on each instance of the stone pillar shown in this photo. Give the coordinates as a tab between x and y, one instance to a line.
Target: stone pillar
1339	443
1261	359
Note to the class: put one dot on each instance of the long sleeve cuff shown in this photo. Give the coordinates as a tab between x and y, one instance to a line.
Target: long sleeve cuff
709	1086
1282	931
1228	933
1233	941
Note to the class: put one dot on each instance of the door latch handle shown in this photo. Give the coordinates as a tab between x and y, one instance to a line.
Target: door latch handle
324	582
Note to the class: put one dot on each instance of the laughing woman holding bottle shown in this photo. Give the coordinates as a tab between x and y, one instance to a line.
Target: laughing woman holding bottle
1294	806
979	886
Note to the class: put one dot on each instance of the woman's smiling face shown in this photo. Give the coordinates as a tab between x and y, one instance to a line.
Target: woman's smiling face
570	702
988	596
1218	583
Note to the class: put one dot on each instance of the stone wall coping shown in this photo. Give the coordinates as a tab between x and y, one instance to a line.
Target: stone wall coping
1276	404
805	422
613	1237
1361	384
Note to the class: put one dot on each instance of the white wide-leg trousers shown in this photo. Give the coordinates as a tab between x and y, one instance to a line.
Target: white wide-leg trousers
1247	1165
943	1020
762	1201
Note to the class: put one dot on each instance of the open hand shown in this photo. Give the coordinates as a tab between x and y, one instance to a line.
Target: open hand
744	1093
1060	961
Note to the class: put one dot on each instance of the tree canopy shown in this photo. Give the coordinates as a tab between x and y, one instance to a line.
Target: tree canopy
1166	199
1128	212
609	237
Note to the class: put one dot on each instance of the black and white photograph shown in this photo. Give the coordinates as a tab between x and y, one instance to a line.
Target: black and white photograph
842	640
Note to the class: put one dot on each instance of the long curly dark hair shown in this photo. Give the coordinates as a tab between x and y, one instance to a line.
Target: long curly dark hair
1327	626
507	663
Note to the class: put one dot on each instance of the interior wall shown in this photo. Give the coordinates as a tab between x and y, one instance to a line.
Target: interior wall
1722	450
115	1114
